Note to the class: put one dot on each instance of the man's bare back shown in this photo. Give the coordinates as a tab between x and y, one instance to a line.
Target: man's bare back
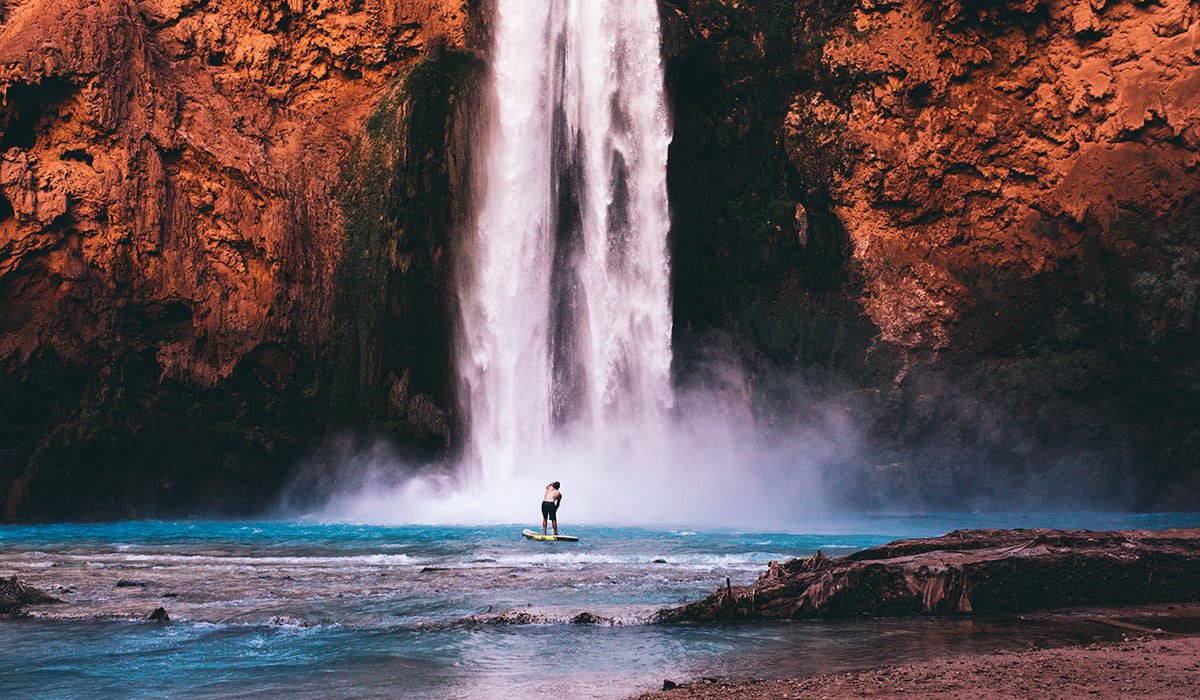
550	503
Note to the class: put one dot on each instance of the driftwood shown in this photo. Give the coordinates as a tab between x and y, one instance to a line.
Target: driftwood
15	595
968	572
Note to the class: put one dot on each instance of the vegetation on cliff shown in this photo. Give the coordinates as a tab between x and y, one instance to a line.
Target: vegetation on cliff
170	233
403	194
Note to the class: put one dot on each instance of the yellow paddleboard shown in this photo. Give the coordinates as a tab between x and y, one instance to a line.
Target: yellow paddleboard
534	535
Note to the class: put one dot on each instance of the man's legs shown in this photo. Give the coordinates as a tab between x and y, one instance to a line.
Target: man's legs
555	521
544	525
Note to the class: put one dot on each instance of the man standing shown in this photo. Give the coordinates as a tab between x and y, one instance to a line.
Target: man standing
550	501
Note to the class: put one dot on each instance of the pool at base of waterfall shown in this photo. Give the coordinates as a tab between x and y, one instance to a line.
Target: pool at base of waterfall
316	609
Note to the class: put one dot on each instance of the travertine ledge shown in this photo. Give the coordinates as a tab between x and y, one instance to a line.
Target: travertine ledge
968	572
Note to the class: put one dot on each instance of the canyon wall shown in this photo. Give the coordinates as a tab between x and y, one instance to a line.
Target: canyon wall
1009	195
969	228
173	281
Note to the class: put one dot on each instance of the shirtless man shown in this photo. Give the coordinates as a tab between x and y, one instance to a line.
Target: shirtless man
550	502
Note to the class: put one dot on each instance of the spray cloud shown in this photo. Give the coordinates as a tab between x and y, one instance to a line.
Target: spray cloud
564	325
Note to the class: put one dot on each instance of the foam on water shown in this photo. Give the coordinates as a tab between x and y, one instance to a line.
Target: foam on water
317	610
263	572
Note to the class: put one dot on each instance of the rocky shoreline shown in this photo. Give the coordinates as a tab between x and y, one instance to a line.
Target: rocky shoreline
1118	575
968	572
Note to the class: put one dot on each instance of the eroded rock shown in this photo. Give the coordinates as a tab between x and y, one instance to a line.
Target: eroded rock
171	231
15	596
969	572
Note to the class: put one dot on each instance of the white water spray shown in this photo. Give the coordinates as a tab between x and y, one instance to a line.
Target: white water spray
565	328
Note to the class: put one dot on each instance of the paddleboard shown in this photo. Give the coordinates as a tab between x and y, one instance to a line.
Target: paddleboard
534	535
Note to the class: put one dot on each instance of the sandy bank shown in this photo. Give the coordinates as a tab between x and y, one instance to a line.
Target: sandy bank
1152	666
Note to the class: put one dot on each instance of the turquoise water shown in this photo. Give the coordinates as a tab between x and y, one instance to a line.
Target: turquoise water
262	609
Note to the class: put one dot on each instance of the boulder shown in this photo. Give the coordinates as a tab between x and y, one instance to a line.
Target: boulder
15	595
968	572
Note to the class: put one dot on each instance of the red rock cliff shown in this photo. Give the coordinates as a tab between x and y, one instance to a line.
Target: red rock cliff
170	213
972	226
177	160
985	214
1012	138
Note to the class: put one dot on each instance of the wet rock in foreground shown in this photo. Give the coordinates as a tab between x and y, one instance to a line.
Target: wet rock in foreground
968	572
15	595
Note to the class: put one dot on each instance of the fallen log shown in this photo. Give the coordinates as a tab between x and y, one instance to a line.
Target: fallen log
968	572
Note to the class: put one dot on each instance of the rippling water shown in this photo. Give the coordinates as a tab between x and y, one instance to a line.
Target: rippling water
260	609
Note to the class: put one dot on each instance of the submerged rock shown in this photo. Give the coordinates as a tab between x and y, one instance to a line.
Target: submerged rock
525	617
513	617
968	572
159	615
15	595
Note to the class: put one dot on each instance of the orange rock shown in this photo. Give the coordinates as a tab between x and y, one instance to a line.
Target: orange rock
1087	106
189	151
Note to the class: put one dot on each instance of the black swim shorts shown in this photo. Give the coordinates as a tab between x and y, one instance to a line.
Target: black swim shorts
550	510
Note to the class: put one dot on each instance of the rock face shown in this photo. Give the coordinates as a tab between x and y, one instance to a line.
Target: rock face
1008	192
1008	142
172	241
969	227
969	572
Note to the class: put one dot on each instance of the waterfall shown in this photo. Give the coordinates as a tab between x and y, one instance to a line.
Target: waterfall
563	277
563	326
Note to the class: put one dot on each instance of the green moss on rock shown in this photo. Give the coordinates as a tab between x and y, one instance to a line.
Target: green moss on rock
401	195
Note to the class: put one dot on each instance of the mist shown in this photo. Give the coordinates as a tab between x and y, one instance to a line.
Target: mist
565	354
772	449
713	465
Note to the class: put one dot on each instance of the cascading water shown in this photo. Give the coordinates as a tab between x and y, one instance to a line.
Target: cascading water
564	324
565	327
